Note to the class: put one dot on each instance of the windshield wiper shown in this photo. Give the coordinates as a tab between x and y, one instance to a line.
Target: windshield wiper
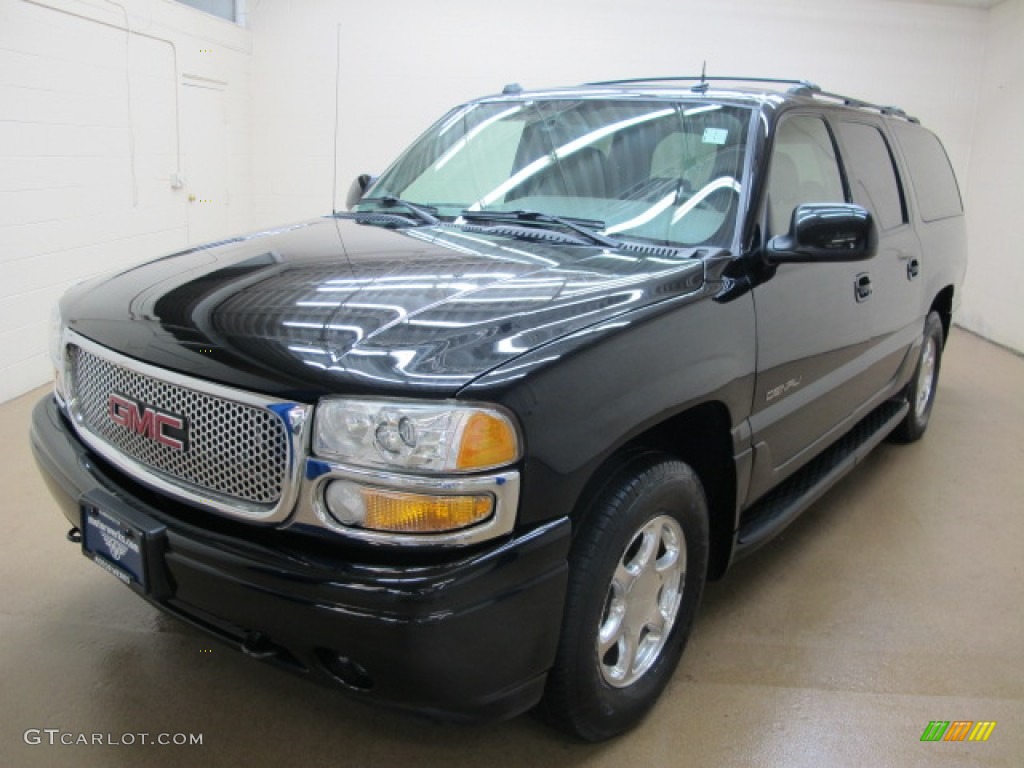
422	212
585	227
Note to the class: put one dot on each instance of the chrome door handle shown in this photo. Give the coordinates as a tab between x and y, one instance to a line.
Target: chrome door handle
862	287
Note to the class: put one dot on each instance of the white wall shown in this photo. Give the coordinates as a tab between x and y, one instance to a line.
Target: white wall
72	201
992	304
404	63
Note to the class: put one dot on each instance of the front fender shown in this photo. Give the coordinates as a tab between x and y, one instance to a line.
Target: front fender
586	395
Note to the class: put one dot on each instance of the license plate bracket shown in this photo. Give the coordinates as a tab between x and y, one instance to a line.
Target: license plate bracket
124	542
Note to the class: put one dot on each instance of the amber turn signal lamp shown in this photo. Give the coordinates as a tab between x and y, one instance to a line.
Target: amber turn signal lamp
488	440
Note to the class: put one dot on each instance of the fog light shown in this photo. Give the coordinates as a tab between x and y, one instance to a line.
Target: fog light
383	509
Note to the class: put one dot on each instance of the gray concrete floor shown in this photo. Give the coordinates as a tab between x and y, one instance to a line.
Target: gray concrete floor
895	601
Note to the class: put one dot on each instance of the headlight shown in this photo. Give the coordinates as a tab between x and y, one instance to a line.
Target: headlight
56	337
424	437
57	351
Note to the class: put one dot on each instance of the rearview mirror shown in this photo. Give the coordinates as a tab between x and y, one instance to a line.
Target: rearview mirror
825	232
358	188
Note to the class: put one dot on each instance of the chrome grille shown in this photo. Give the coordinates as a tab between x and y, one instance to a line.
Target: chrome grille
233	449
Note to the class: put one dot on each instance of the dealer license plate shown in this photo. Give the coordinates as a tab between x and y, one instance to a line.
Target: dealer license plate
114	545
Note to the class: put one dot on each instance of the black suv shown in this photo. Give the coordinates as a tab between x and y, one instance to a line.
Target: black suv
477	442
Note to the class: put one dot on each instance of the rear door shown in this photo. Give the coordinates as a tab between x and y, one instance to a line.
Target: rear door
897	311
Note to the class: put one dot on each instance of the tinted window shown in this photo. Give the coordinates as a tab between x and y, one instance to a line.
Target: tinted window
654	171
803	170
872	175
934	183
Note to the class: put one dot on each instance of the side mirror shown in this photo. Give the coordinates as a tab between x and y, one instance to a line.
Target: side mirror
825	232
358	188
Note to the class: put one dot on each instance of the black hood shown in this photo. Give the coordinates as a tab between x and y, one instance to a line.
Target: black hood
332	305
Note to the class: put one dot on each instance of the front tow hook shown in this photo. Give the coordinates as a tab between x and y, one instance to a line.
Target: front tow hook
75	536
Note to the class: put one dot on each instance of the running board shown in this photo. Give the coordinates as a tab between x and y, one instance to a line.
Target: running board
777	509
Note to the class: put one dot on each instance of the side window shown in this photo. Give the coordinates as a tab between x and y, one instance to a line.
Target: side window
803	169
872	174
935	185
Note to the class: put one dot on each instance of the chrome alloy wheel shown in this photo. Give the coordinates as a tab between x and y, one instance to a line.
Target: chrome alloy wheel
642	602
925	377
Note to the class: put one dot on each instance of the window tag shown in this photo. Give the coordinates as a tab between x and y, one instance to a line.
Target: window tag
715	135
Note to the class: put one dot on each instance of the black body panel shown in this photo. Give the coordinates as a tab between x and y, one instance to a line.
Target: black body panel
466	638
335	306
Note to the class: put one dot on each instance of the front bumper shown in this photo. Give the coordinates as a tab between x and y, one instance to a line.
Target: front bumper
468	638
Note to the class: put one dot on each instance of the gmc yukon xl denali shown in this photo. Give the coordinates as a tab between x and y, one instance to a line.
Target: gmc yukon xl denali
476	443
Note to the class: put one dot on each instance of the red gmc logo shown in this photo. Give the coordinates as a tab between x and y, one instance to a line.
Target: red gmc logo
164	428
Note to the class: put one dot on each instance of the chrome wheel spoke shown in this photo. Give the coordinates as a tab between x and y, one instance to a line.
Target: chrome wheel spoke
648	548
611	625
926	377
624	578
626	654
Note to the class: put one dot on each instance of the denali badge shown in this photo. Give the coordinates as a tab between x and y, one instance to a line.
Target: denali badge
165	428
783	389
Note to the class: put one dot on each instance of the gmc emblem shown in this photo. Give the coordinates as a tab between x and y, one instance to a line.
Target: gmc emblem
164	428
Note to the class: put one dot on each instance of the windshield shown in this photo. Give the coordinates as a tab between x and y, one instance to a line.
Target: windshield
656	171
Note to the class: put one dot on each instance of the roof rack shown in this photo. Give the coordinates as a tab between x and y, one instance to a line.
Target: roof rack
888	111
702	81
799	88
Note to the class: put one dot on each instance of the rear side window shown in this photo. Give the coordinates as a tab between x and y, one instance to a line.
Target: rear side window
872	174
934	183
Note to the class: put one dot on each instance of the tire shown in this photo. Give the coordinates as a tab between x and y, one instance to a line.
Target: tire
636	573
920	391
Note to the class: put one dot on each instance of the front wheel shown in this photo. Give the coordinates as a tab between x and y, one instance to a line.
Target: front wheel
637	570
920	392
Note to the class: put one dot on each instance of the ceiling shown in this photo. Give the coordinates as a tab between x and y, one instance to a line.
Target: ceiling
981	4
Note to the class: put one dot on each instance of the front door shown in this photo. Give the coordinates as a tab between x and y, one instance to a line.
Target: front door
814	321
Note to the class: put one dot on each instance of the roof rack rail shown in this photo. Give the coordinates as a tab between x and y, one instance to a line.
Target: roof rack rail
888	111
799	88
702	81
